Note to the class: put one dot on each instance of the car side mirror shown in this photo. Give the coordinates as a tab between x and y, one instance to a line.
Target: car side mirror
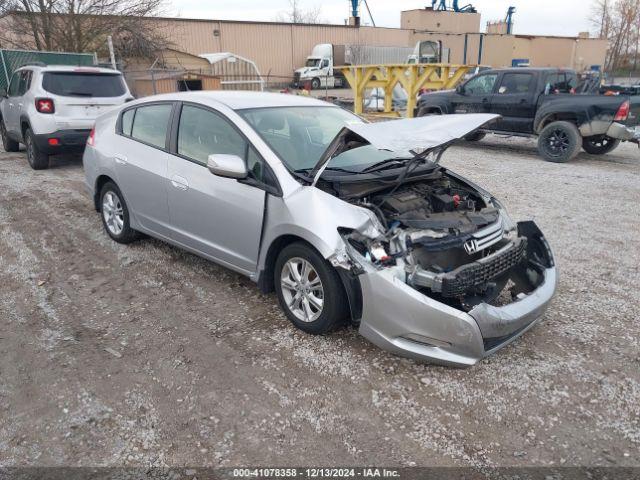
228	166
460	89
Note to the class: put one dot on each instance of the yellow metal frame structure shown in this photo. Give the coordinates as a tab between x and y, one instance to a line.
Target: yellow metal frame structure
412	77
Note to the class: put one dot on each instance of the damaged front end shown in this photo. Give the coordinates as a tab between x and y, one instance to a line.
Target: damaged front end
449	277
444	273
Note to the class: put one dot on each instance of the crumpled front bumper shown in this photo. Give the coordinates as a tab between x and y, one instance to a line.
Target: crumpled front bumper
402	320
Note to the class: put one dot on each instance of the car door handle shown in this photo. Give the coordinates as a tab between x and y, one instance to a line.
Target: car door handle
179	182
485	100
121	159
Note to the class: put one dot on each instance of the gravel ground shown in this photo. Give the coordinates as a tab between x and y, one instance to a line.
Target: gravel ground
144	355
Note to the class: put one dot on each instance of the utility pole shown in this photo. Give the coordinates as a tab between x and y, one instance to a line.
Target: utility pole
111	52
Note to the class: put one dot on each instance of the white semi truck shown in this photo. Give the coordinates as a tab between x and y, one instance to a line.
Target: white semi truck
319	70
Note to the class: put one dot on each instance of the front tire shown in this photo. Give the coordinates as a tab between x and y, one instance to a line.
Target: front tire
115	214
37	159
309	289
600	144
315	84
559	142
8	144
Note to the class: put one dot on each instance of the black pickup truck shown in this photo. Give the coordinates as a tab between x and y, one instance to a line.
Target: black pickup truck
542	102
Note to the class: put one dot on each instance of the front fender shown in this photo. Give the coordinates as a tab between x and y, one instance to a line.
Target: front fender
312	215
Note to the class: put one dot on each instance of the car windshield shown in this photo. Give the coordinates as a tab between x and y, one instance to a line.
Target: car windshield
77	84
313	62
300	135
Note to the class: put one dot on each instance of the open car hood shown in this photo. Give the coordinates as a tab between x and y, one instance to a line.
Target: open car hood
406	135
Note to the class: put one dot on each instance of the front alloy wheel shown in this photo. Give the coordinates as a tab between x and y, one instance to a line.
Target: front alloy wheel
309	289
302	289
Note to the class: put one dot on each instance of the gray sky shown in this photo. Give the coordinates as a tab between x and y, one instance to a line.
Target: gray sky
544	17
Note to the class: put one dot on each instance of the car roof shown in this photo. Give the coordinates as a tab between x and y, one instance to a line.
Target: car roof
240	100
69	68
529	69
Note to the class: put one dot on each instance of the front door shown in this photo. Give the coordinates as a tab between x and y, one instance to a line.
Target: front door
12	109
218	217
476	95
141	159
515	101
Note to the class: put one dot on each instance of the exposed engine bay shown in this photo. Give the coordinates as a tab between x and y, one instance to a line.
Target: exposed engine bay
447	239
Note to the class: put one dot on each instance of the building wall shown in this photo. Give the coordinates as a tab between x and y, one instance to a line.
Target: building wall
499	50
278	49
440	21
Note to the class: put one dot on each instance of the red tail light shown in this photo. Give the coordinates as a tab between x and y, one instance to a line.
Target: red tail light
623	112
45	105
92	138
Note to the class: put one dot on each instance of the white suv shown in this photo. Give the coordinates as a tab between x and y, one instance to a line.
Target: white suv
52	109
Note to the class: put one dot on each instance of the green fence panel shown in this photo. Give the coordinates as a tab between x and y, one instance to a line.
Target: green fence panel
10	60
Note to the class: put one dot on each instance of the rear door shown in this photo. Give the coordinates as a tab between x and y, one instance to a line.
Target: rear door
81	96
141	164
515	101
218	217
476	95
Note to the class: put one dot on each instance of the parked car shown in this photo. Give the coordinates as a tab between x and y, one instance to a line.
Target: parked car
338	216
540	102
51	109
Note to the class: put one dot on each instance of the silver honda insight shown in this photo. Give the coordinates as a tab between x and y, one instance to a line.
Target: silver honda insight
347	221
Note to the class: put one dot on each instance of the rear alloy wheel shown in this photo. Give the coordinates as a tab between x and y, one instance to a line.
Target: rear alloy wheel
309	289
115	214
37	159
600	144
8	144
559	142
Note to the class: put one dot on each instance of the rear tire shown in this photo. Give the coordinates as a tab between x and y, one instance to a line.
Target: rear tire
115	214
559	142
37	159
475	136
8	144
309	289
423	112
600	144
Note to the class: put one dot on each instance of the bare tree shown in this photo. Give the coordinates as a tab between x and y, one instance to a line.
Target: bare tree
619	22
296	14
601	17
83	25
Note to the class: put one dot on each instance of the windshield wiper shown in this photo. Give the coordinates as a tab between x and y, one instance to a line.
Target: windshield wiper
343	170
388	163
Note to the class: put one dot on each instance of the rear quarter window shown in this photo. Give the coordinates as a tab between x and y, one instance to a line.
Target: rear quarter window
76	84
127	121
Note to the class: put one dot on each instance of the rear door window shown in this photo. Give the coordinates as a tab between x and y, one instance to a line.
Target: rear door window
76	84
514	83
560	83
150	124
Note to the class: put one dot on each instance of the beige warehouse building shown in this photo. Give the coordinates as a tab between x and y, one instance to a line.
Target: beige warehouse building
280	48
